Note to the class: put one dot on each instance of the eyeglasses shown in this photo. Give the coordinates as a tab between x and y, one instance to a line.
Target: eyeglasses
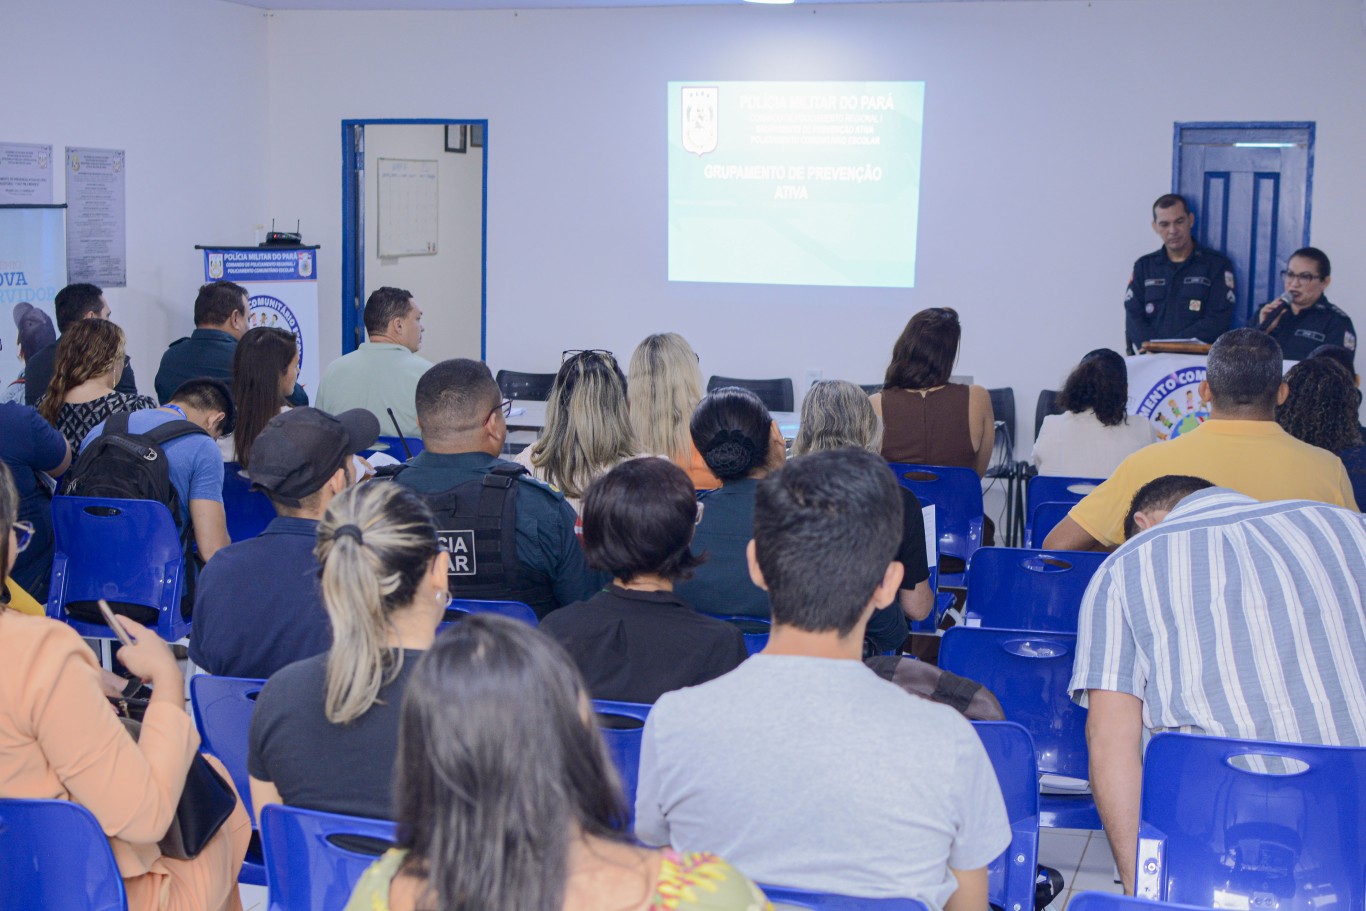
23	535
575	352
1305	277
505	406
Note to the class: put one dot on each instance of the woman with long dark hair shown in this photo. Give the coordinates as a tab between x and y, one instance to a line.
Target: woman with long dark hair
1322	409
1095	432
265	367
384	589
81	393
927	419
507	798
741	444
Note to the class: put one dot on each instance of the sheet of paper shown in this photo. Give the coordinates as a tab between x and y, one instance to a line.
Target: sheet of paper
96	237
25	174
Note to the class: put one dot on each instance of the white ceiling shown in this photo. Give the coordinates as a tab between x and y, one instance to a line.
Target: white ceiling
514	4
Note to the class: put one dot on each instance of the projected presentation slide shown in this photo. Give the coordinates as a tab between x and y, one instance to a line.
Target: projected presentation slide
794	183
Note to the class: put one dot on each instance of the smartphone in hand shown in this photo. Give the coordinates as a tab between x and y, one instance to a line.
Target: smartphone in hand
114	624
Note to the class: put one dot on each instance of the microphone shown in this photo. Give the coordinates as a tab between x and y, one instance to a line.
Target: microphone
399	430
1274	317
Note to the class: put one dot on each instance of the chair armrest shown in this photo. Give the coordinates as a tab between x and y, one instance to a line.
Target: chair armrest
1150	876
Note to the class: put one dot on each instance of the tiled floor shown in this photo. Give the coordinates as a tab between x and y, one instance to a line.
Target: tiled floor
1084	860
1082	857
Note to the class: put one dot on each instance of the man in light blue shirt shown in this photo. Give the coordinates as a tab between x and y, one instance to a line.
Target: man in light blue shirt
382	373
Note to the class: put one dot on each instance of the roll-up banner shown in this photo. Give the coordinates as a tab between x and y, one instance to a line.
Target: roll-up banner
282	285
32	271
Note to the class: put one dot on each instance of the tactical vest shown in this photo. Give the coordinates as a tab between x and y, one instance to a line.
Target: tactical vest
477	523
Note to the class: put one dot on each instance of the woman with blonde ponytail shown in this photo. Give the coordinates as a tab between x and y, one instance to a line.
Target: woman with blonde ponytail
325	729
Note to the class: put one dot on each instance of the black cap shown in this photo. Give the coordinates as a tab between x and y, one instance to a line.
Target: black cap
300	449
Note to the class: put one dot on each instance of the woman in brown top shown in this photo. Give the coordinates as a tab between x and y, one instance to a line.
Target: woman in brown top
60	740
928	420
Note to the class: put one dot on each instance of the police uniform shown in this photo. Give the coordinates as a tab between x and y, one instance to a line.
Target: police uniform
551	569
1321	323
1191	299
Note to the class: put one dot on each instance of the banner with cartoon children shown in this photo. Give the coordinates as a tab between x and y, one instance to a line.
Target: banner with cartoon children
282	287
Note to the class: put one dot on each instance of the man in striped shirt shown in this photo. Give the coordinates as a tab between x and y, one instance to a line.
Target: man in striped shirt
1233	618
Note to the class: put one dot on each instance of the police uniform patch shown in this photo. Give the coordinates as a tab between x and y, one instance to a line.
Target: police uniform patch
1150	308
1195	306
1228	279
1129	295
1349	341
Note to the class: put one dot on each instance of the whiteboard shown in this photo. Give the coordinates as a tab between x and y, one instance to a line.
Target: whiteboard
407	202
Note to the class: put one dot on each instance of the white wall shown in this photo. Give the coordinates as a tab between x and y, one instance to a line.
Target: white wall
1048	131
446	285
183	88
1048	134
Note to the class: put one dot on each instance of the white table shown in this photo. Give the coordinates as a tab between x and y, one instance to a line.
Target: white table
529	415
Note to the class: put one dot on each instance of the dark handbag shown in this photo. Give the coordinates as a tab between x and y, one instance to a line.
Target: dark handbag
205	804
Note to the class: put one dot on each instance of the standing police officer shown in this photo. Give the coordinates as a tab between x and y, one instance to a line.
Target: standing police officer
1182	290
1307	320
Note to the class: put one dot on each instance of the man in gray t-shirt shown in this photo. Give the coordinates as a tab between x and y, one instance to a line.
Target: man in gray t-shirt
802	767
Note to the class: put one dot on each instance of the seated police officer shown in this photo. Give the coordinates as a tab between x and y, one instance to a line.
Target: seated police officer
1181	291
1307	320
510	537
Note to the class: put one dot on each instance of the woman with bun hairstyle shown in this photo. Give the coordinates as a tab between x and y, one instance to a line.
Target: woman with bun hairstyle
507	799
1095	432
384	589
741	444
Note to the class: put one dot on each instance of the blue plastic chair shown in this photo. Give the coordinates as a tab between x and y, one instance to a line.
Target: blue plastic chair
306	869
514	609
754	629
622	725
1015	588
248	511
1058	489
1289	836
222	708
53	854
1110	901
956	494
1029	673
828	901
1011	877
1043	518
120	550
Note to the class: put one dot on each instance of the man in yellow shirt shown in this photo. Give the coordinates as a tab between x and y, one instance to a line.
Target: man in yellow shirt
1240	447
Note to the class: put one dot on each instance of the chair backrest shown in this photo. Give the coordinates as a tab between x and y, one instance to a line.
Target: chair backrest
53	854
1020	588
248	511
222	708
775	394
533	387
1029	673
1003	409
119	550
1047	404
514	609
1010	877
1044	488
306	868
754	629
1110	901
828	901
623	725
1043	518
1245	823
956	494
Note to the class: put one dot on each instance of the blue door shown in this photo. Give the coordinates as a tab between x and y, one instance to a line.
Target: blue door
1249	184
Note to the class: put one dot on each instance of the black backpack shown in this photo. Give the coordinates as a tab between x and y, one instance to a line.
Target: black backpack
122	465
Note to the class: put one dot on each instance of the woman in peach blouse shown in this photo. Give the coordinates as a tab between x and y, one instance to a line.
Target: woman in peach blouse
59	738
